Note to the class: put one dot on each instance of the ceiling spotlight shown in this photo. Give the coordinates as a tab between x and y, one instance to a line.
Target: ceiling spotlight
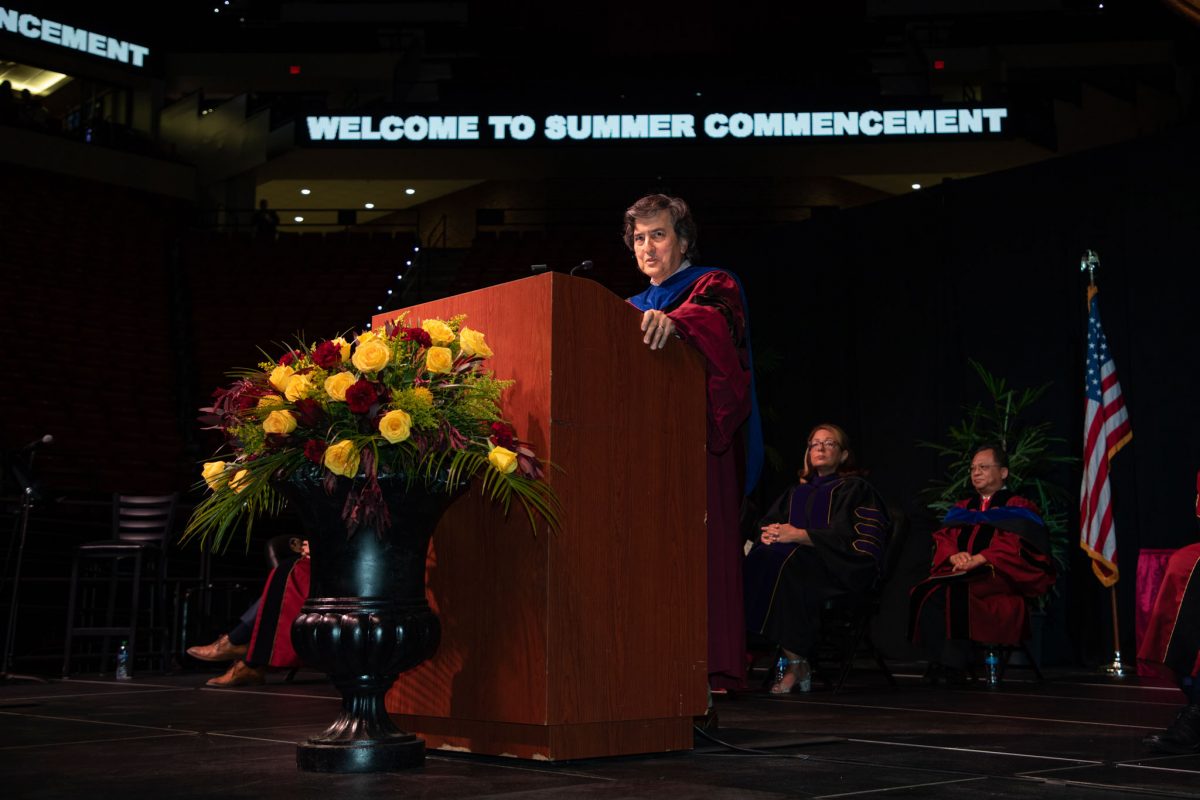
916	186
410	191
368	205
298	219
379	307
389	291
306	192
416	249
408	263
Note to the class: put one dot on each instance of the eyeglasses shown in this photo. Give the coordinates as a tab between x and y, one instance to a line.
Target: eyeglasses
982	467
828	444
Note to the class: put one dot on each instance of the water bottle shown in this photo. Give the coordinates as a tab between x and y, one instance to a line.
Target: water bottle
991	663
123	662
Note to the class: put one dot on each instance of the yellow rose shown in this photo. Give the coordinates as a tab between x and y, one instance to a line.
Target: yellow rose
365	336
211	471
280	375
438	331
342	458
503	459
336	385
343	348
238	481
270	400
473	344
395	426
439	359
298	387
371	355
279	422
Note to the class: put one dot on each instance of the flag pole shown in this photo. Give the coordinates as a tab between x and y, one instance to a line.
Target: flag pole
1114	668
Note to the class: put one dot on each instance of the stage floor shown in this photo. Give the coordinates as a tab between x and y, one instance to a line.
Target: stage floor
1073	736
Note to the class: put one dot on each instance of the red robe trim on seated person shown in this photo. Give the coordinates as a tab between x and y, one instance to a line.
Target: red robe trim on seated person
986	604
1173	634
282	597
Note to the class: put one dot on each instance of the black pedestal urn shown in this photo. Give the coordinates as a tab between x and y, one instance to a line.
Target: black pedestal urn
366	619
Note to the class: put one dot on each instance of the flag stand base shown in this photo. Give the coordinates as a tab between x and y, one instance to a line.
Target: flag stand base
1115	669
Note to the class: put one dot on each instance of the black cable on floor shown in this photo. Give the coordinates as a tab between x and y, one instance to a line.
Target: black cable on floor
745	750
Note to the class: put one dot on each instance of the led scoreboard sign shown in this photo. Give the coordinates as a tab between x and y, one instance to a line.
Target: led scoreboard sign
624	127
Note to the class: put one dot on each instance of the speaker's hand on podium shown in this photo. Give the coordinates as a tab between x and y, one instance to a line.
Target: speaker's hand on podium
658	328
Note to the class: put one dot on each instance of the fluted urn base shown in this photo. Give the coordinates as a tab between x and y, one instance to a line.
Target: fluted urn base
366	619
362	739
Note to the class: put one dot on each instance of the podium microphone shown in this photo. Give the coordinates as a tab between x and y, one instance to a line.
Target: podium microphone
36	443
583	266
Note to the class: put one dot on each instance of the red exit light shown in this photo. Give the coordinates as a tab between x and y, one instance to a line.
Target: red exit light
938	64
295	69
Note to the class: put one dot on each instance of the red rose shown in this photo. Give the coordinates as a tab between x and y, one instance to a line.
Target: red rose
327	355
361	396
503	435
314	450
308	412
286	359
419	335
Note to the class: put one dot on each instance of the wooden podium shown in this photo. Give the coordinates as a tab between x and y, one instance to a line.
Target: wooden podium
590	641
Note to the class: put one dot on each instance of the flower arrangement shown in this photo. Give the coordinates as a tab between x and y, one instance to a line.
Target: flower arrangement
401	400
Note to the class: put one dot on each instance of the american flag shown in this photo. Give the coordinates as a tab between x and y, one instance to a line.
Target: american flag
1105	431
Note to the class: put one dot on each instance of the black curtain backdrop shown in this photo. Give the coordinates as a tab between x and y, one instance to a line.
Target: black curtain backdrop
873	313
865	317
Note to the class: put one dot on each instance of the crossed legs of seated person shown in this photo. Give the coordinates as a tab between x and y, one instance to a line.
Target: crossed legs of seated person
232	645
1183	735
270	643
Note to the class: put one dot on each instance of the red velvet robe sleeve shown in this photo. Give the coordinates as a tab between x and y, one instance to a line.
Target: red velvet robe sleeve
945	544
713	321
1027	570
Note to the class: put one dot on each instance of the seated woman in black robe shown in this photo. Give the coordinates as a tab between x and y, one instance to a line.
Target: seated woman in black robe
824	537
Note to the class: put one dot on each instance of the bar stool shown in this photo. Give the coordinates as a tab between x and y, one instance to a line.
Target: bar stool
141	524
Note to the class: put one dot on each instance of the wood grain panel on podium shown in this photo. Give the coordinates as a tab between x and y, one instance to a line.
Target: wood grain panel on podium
589	641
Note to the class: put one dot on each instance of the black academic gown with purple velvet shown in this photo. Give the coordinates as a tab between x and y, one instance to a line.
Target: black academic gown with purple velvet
786	584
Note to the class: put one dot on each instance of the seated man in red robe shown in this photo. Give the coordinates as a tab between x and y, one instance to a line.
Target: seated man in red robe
1172	642
991	556
262	639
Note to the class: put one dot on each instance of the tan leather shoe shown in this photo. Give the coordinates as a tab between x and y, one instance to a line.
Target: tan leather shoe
220	650
240	674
